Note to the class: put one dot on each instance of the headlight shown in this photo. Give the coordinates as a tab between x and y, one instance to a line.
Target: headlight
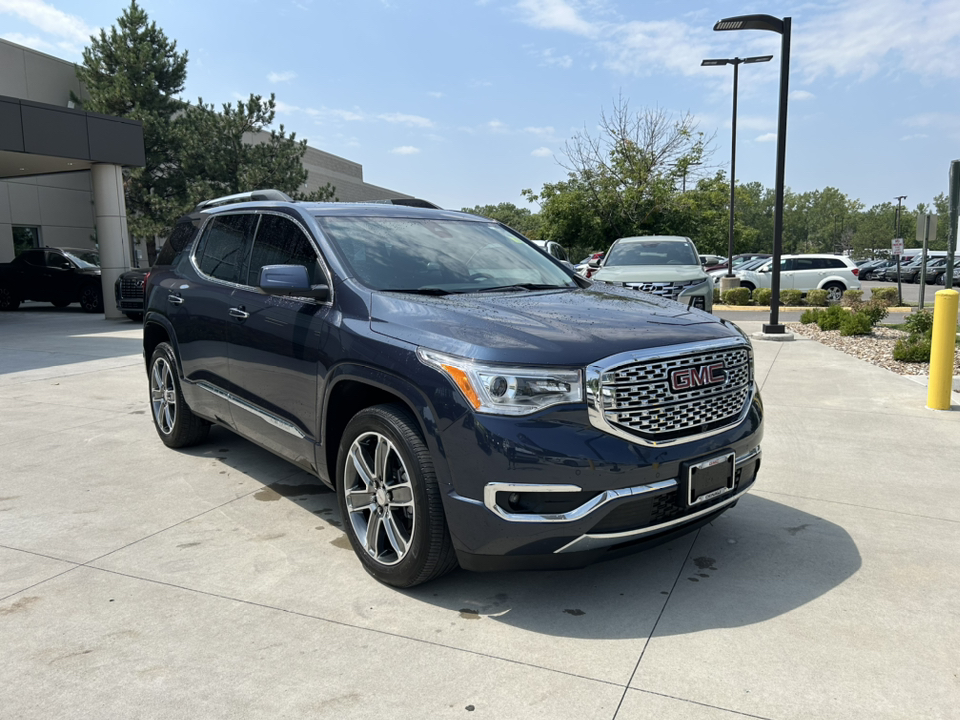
504	390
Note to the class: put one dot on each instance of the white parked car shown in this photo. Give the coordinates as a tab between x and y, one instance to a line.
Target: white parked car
833	273
663	265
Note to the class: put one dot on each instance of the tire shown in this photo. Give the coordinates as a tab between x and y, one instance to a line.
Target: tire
175	423
941	279
8	301
91	298
394	518
60	303
835	291
749	286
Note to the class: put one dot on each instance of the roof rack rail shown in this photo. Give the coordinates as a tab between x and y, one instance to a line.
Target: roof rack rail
409	202
244	197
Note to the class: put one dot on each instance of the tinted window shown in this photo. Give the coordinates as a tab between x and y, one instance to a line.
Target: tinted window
834	263
558	252
223	248
33	257
183	233
652	252
56	260
803	263
280	242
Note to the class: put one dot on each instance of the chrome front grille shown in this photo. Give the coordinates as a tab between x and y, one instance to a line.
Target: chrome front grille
131	288
633	396
660	289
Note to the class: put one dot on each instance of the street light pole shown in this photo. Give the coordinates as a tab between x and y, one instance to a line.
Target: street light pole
899	199
768	22
733	147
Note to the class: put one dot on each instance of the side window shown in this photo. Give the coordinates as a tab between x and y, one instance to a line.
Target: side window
834	263
179	239
281	242
223	248
558	252
34	257
56	260
804	264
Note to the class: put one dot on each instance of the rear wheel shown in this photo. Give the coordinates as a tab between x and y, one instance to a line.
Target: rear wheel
389	499
834	291
748	285
176	424
8	301
91	298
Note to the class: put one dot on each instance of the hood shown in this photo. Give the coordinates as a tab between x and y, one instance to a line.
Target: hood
552	327
88	271
649	273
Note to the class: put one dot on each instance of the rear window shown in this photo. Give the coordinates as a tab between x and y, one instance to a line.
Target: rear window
182	235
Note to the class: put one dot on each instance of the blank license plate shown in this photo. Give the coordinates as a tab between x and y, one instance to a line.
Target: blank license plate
711	478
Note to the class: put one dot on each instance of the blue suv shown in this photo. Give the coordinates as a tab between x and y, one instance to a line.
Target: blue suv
470	399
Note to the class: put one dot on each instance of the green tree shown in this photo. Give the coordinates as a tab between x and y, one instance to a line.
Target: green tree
520	219
135	71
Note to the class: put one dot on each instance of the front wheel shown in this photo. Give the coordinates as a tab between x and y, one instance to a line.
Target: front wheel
834	291
176	424
8	301
389	499
748	285
91	299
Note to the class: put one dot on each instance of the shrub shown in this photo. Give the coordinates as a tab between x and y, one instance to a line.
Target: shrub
716	296
762	296
737	296
875	309
811	316
886	295
852	298
831	318
856	323
817	298
913	350
791	297
919	324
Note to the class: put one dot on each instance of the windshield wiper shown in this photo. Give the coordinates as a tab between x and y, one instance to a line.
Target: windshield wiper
524	286
422	291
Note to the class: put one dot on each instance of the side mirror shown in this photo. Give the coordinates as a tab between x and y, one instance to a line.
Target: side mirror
593	264
290	280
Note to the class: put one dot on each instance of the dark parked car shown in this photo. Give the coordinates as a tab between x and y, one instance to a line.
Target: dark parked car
874	268
470	399
738	260
56	275
128	290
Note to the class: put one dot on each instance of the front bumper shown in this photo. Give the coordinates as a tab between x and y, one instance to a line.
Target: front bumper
552	491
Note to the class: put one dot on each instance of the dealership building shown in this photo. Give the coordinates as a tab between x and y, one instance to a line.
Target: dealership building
61	168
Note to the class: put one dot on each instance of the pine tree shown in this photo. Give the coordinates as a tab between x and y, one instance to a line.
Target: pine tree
135	71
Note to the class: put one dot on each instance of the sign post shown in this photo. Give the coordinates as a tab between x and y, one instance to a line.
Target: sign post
926	227
897	249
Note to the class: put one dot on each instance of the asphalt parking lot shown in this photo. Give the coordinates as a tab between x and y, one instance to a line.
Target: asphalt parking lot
137	581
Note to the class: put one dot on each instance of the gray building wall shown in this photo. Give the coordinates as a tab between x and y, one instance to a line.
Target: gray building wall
62	205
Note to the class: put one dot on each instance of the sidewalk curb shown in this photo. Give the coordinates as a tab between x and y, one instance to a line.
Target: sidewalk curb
790	308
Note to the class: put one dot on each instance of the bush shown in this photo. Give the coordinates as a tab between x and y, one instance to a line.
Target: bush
811	316
876	310
791	298
919	324
831	318
887	295
716	296
737	296
852	298
857	323
817	298
912	350
762	296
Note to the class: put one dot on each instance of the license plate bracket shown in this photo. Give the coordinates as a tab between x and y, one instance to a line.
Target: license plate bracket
709	479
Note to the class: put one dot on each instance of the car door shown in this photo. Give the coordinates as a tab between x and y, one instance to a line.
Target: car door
61	278
30	276
199	307
806	273
277	345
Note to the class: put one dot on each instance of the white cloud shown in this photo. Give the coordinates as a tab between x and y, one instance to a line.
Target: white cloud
542	152
548	59
283	107
435	94
281	77
71	30
644	48
496	126
769	137
801	95
548	130
405	150
915	136
411	120
555	15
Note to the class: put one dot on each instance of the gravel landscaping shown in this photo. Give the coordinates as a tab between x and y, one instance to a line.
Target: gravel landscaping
876	348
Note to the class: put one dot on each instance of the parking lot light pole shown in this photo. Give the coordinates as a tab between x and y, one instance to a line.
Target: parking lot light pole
899	199
733	142
768	22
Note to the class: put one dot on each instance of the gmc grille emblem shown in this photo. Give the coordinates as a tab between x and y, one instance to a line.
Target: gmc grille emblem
689	378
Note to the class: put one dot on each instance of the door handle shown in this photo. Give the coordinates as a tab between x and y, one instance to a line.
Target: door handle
175	299
239	312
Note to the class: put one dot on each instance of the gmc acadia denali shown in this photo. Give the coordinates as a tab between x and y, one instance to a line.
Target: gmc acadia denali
472	401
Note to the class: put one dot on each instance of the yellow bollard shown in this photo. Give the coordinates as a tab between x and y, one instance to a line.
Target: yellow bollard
943	349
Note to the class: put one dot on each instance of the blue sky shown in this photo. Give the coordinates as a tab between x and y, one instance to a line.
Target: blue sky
468	102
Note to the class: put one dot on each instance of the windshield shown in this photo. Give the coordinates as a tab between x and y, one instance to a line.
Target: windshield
440	256
652	252
84	258
753	264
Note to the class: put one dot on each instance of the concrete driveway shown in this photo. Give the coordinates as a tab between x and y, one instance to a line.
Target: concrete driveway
137	581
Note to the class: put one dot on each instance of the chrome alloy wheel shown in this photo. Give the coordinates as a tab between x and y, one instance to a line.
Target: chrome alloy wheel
163	396
379	498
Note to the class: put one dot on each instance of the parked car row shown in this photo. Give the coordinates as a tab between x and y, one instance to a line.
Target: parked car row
60	276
